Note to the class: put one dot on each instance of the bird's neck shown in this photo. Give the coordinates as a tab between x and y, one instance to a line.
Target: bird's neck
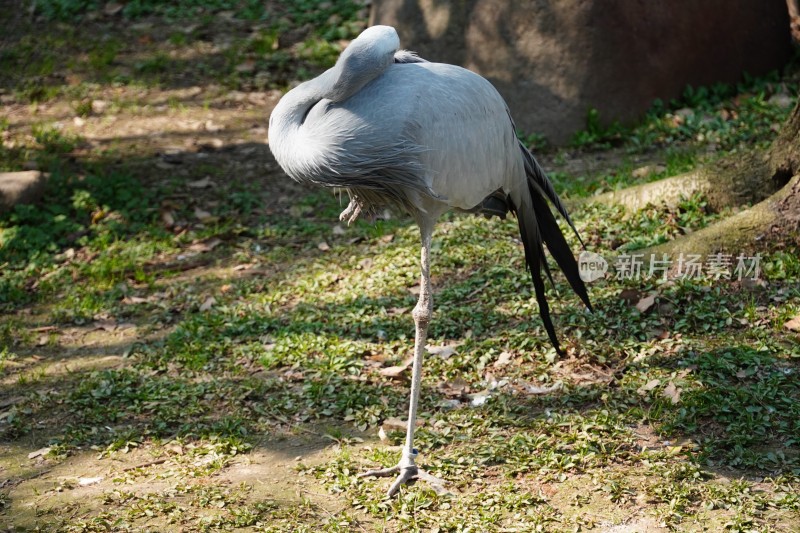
295	136
293	107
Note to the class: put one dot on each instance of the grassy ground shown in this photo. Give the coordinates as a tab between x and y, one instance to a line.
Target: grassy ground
189	341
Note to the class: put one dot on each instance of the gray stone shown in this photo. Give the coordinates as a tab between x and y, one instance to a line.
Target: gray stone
20	188
553	60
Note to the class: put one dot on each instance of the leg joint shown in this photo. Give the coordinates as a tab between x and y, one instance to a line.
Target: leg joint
422	313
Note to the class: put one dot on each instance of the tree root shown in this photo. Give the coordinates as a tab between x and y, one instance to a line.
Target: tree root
737	180
742	231
668	191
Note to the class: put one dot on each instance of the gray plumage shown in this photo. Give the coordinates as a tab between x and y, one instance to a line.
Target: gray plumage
393	129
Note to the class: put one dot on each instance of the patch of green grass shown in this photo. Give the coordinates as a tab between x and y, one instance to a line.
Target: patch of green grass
596	134
65	9
612	227
667	411
104	54
157	64
90	211
745	405
52	140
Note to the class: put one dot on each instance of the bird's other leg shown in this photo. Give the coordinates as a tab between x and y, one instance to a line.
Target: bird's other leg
407	468
351	212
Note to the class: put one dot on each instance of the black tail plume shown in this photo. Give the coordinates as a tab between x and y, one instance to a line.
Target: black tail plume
537	227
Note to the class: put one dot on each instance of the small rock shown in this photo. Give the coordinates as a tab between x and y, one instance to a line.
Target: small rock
201	183
247	66
172	154
98	106
20	188
782	100
648	170
112	8
213	127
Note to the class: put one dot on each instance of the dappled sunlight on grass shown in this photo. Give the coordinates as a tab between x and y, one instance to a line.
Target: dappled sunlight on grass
183	321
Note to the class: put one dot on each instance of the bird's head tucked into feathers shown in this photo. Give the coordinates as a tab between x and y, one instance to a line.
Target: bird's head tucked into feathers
364	59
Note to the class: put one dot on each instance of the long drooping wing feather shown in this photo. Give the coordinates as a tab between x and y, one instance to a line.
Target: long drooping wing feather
537	227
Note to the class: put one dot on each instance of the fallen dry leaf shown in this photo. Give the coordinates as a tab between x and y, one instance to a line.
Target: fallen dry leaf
645	303
202	215
208	304
205	246
201	184
672	392
793	324
174	448
647	387
38	453
503	359
444	351
396	371
454	389
168	218
112	8
128	300
528	388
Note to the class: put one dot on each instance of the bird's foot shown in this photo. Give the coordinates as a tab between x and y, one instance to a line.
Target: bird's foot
351	212
407	471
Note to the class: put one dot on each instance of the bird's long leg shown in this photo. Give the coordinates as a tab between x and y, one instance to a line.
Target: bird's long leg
422	313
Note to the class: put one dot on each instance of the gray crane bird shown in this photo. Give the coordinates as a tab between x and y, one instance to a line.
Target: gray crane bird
395	130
